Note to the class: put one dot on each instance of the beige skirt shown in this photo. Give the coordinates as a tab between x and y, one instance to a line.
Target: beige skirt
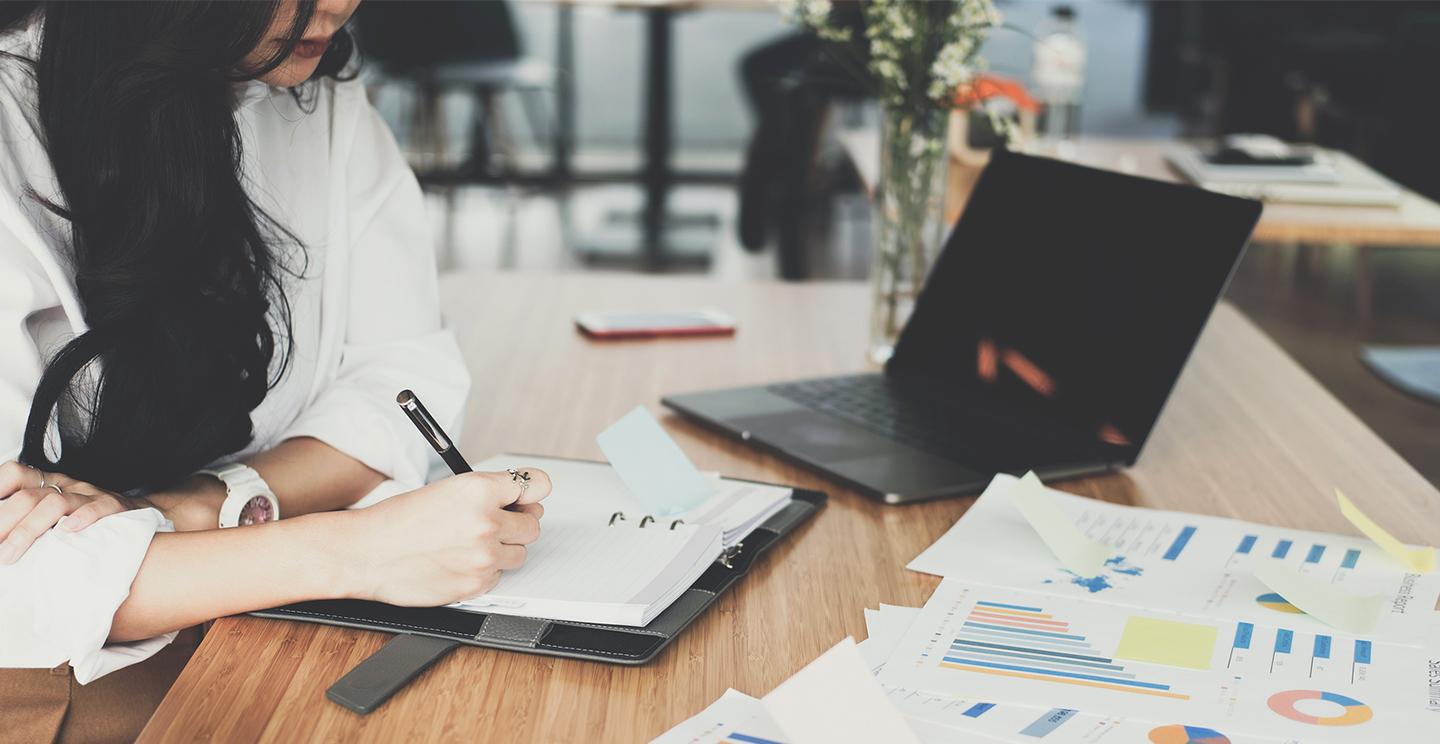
48	705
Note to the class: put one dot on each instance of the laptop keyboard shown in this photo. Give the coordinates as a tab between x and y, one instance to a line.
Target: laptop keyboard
867	401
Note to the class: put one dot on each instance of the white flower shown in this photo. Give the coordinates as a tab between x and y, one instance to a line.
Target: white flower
814	15
902	35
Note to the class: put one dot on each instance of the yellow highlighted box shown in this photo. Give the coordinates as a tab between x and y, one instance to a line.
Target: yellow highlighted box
1168	642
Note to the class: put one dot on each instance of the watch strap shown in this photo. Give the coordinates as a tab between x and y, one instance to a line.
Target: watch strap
242	483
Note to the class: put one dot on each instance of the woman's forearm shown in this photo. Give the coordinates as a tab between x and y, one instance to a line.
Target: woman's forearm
306	475
188	578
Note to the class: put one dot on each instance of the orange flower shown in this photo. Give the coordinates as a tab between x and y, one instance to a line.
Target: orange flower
985	87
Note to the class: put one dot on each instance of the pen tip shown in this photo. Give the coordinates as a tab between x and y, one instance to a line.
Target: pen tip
405	398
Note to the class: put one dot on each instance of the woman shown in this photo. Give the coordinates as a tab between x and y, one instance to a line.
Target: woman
211	254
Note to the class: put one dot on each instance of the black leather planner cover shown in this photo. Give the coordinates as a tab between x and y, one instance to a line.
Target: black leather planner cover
615	644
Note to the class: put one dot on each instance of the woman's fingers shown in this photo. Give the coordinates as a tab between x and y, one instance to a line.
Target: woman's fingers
503	489
531	485
536	510
16	508
16	477
89	513
517	528
509	557
49	509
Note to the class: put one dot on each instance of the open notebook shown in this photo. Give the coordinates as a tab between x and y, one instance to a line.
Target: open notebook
600	559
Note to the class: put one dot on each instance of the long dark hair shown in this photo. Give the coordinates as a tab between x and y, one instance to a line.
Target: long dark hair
178	271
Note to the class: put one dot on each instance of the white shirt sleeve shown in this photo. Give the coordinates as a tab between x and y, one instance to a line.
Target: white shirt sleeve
25	292
394	338
58	601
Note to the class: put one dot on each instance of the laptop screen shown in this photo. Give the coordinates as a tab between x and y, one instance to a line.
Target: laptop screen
1073	294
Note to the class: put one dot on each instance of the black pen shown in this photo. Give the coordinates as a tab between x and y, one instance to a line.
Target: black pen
411	405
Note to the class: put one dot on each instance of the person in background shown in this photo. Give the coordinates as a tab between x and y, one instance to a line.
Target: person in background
789	83
214	278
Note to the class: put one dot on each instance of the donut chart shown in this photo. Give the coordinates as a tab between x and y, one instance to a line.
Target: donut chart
1273	601
1353	711
1177	734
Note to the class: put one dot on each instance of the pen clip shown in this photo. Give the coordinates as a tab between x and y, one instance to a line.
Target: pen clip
423	421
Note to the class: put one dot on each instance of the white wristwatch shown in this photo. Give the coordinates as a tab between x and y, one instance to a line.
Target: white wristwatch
248	498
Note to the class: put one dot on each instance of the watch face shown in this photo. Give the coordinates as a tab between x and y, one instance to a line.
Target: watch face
256	511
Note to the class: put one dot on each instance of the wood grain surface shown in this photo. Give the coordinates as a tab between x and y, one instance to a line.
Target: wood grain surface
1247	433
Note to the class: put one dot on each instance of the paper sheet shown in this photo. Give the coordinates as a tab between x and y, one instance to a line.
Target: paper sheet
836	699
1076	552
735	717
1329	605
1419	560
652	465
1265	677
884	628
1175	562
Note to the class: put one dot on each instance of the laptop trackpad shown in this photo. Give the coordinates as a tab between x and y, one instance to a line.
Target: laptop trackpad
815	436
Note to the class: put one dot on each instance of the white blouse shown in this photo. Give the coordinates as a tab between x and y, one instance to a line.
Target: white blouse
366	324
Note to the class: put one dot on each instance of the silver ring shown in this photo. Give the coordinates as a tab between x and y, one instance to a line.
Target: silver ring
522	478
57	488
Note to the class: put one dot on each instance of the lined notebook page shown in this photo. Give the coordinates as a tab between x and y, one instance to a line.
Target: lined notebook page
592	564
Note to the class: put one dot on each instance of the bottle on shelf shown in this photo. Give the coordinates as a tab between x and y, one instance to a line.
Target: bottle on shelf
1059	73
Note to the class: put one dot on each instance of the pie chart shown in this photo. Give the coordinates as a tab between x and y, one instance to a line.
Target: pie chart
1273	601
1178	734
1350	712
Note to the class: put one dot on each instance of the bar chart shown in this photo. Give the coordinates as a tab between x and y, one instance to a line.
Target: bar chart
1028	643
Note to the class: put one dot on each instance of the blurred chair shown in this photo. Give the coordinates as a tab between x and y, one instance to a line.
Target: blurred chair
474	47
438	47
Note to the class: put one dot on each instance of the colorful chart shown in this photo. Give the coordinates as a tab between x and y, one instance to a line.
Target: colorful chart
1273	601
1355	712
1178	734
739	738
1026	642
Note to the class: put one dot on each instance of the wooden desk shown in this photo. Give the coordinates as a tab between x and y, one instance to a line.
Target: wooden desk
1247	433
1415	222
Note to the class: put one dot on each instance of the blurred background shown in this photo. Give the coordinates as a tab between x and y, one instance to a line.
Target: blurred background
651	136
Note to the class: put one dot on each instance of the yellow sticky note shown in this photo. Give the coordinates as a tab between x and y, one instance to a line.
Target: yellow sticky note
1322	601
1419	560
1169	642
1076	552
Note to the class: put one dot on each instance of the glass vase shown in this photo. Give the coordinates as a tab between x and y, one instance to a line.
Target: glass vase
909	219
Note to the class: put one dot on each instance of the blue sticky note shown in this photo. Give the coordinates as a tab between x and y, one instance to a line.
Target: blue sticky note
652	465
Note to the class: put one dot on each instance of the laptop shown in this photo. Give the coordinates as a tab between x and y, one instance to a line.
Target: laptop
1048	336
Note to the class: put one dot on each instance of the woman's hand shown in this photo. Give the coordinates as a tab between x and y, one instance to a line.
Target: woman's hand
30	505
445	542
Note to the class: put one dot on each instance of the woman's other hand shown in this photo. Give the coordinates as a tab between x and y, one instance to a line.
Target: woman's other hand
31	502
446	541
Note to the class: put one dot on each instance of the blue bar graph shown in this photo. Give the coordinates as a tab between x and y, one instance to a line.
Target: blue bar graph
977	710
1026	631
1058	673
1351	557
1011	607
1243	631
1246	543
1283	639
1315	552
748	739
1362	652
1322	647
1282	549
1027	649
1184	537
1047	723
